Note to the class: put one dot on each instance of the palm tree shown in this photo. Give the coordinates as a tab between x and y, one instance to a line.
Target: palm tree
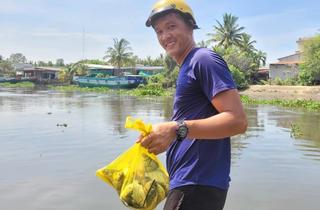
260	58
203	44
169	63
119	53
227	33
80	69
247	45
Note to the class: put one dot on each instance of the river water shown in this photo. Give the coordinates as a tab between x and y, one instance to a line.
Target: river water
45	166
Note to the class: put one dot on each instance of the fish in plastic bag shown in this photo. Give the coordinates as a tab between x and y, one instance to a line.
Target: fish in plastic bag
138	176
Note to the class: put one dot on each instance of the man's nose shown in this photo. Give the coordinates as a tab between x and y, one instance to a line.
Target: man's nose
165	36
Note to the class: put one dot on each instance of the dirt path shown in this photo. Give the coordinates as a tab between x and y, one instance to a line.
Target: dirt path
282	92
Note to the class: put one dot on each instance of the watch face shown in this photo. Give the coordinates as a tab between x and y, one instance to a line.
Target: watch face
183	131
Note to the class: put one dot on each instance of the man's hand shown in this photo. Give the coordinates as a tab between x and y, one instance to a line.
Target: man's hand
160	138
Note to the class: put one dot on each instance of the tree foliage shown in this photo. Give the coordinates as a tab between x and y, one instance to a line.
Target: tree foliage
310	69
239	77
237	47
70	70
119	53
149	61
17	58
227	33
60	62
6	67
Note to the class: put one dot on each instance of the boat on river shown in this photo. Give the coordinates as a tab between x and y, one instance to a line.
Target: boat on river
125	82
8	79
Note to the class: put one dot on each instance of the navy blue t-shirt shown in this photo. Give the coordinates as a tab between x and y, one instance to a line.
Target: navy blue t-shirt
202	75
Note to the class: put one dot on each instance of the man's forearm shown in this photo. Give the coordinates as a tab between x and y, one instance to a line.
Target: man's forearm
219	126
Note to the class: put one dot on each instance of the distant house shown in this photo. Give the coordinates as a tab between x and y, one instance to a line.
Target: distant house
287	67
22	66
45	75
261	74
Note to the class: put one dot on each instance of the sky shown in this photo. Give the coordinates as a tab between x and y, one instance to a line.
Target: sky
73	29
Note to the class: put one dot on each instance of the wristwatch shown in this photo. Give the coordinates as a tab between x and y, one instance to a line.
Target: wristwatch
182	130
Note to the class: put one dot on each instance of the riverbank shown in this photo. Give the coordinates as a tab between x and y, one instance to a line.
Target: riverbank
17	85
304	97
149	90
271	92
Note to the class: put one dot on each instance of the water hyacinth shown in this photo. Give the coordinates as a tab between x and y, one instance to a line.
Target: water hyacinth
309	105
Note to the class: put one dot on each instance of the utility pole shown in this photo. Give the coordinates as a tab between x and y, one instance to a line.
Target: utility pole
83	42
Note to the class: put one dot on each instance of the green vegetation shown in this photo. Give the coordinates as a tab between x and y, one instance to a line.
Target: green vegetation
296	131
6	68
238	50
142	90
66	75
17	58
76	88
152	89
309	105
119	53
228	33
278	81
239	77
310	69
18	85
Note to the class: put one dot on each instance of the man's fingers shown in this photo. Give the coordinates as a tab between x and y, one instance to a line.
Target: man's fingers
146	142
153	150
140	139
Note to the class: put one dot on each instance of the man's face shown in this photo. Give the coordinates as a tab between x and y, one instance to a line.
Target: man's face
174	34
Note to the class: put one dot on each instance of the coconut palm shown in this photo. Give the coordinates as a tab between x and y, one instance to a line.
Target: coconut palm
66	75
119	53
247	45
203	43
260	58
169	63
80	69
227	33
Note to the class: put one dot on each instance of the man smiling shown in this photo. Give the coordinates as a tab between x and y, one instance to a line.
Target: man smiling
207	111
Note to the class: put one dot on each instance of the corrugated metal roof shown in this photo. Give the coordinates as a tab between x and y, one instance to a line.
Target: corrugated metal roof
297	53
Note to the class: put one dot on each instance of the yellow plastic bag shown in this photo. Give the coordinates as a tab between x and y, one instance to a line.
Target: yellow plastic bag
138	176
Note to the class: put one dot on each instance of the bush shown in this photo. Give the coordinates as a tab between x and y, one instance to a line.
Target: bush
278	81
153	89
291	81
239	77
310	69
305	76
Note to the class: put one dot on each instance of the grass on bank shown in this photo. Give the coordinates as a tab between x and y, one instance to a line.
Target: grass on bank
156	90
309	105
148	90
74	88
17	85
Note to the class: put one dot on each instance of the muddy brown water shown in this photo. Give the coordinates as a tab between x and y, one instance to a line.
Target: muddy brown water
45	166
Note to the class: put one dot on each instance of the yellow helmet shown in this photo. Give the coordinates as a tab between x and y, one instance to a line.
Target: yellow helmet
162	7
